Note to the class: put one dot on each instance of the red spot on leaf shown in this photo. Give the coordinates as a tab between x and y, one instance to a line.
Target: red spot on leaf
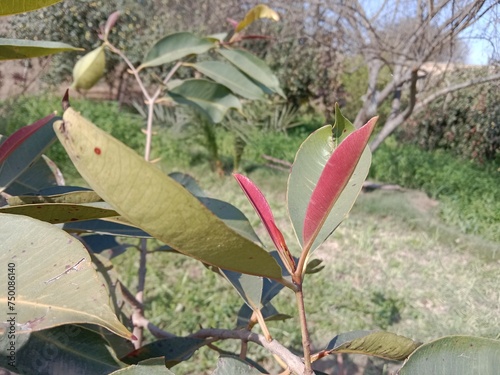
97	150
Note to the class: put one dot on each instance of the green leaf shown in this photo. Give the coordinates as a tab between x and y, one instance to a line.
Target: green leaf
253	67
161	207
380	344
232	78
56	213
455	355
175	350
174	47
13	49
268	312
68	349
105	226
309	163
76	197
256	13
153	366
231	365
8	7
89	69
55	281
211	98
22	156
334	179
42	173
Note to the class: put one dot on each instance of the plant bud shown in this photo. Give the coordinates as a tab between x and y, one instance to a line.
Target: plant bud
89	69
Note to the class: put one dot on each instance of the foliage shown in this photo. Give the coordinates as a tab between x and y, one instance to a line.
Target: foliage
469	194
79	22
466	123
122	124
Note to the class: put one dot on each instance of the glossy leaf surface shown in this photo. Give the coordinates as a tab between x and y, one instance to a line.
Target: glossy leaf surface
174	47
8	7
68	349
262	208
13	49
23	147
308	166
380	344
41	173
161	207
211	98
56	283
253	67
334	179
232	78
16	139
457	355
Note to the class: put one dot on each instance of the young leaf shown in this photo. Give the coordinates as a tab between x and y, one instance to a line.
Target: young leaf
89	69
211	98
56	282
262	208
18	137
21	149
253	67
161	206
334	178
257	12
13	49
174	47
232	78
15	7
110	22
457	355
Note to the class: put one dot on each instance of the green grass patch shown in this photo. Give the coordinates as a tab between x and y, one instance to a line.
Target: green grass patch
468	192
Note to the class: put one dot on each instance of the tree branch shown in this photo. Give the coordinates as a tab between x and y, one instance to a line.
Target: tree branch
294	362
393	123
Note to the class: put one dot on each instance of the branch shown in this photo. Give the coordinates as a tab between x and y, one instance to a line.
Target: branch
392	124
294	362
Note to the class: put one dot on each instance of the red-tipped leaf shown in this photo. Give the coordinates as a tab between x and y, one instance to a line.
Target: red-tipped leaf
335	176
17	138
262	208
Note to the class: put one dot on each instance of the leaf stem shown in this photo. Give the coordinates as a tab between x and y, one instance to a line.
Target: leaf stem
306	341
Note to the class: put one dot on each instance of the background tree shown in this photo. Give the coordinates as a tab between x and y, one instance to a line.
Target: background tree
373	33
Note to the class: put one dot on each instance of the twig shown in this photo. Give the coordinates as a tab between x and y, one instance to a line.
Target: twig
294	362
138	319
306	341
